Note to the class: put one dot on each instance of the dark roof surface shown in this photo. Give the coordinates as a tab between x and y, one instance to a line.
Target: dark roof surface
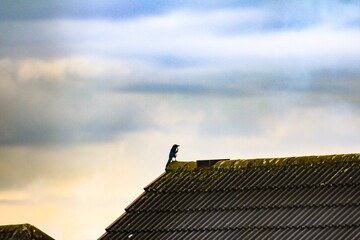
22	232
314	197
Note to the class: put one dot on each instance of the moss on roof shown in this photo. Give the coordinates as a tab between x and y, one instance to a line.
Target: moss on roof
177	165
271	163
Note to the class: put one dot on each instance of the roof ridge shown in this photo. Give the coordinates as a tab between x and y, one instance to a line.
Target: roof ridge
268	162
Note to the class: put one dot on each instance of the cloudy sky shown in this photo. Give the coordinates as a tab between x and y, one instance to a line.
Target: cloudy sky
94	93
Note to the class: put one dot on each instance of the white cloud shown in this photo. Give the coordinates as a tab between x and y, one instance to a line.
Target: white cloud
63	100
171	35
63	69
217	38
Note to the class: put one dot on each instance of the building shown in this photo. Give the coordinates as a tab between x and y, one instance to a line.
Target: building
22	232
311	197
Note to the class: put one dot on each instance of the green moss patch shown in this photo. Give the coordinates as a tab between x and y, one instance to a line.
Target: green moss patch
271	163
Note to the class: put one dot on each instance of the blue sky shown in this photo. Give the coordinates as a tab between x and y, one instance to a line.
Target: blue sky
93	95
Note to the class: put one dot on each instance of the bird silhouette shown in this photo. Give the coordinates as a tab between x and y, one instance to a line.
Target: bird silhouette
173	152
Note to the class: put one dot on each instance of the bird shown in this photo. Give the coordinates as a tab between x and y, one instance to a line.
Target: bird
173	152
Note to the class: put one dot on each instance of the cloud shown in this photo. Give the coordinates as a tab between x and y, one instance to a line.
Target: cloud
215	36
64	101
60	69
77	9
68	118
70	68
60	101
307	88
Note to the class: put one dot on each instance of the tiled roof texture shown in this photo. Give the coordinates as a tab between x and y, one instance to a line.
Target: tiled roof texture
316	197
22	232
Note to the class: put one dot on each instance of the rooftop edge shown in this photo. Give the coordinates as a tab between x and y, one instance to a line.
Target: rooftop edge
32	231
265	162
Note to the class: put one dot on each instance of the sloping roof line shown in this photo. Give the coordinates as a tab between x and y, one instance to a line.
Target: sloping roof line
133	202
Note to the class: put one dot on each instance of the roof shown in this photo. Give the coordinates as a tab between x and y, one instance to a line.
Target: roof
22	232
312	197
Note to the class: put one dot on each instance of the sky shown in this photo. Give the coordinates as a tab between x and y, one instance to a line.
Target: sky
93	94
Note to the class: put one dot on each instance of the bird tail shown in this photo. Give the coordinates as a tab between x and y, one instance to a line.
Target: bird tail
169	161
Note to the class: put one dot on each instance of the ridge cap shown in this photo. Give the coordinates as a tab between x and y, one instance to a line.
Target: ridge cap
267	162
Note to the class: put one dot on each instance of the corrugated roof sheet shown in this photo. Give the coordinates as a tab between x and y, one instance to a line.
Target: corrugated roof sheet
282	198
22	232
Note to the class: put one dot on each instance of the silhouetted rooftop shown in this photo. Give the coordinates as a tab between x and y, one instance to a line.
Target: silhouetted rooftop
312	197
22	232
